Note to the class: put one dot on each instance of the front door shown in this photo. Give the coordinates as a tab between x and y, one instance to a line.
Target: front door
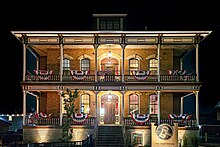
109	108
109	117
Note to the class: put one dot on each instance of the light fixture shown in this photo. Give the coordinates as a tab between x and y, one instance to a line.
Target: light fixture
109	97
109	54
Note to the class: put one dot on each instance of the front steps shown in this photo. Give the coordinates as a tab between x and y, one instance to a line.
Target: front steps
110	136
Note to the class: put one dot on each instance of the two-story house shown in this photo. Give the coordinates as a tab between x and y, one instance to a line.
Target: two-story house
124	78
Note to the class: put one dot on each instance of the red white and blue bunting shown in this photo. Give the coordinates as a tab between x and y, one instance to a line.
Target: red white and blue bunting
141	74
78	74
140	119
79	118
181	117
43	74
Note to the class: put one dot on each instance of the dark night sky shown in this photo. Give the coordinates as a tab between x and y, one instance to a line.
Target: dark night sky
156	15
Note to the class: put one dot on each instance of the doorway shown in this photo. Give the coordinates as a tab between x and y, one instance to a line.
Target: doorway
109	103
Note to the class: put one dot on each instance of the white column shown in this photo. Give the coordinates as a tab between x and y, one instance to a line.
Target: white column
197	62
61	109
37	64
61	62
158	105
123	63
197	107
97	106
122	103
37	104
24	106
96	62
24	61
158	59
181	105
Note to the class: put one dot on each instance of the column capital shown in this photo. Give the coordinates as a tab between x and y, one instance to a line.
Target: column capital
96	45
60	39
96	92
123	92
123	45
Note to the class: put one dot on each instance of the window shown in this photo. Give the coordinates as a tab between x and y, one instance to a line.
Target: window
153	65
85	64
85	101
66	66
133	103
109	24
133	65
137	139
153	107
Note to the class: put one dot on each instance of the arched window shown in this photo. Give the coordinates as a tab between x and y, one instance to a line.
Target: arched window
66	66
153	65
85	103
85	64
133	65
153	104
133	103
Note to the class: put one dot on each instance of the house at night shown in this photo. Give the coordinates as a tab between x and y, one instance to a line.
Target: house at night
125	80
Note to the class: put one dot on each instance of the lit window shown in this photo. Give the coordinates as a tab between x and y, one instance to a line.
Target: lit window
133	65
137	139
133	103
153	107
153	65
85	101
85	64
66	66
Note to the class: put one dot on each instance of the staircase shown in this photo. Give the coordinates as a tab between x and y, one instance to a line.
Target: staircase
110	136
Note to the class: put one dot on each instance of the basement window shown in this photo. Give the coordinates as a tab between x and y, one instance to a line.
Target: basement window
137	139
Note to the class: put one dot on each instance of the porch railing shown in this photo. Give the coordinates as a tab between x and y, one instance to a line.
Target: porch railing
128	121
56	121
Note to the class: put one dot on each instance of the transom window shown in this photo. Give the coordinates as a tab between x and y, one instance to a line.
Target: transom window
133	103
153	65
85	102
85	64
153	105
133	65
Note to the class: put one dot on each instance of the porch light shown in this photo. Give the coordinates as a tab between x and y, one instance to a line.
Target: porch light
109	97
109	54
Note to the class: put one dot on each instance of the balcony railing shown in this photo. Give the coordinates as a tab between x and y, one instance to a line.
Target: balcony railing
140	76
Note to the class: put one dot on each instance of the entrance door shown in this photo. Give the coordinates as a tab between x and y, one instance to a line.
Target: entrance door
109	117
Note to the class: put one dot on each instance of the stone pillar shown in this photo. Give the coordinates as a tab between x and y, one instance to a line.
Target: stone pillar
197	107
197	62
123	64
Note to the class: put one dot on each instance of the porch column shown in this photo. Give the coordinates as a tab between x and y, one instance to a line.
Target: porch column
158	105
96	105
61	62
181	105
122	64
37	104
197	107
122	103
158	59
96	61
24	106
61	108
24	61
197	62
37	64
